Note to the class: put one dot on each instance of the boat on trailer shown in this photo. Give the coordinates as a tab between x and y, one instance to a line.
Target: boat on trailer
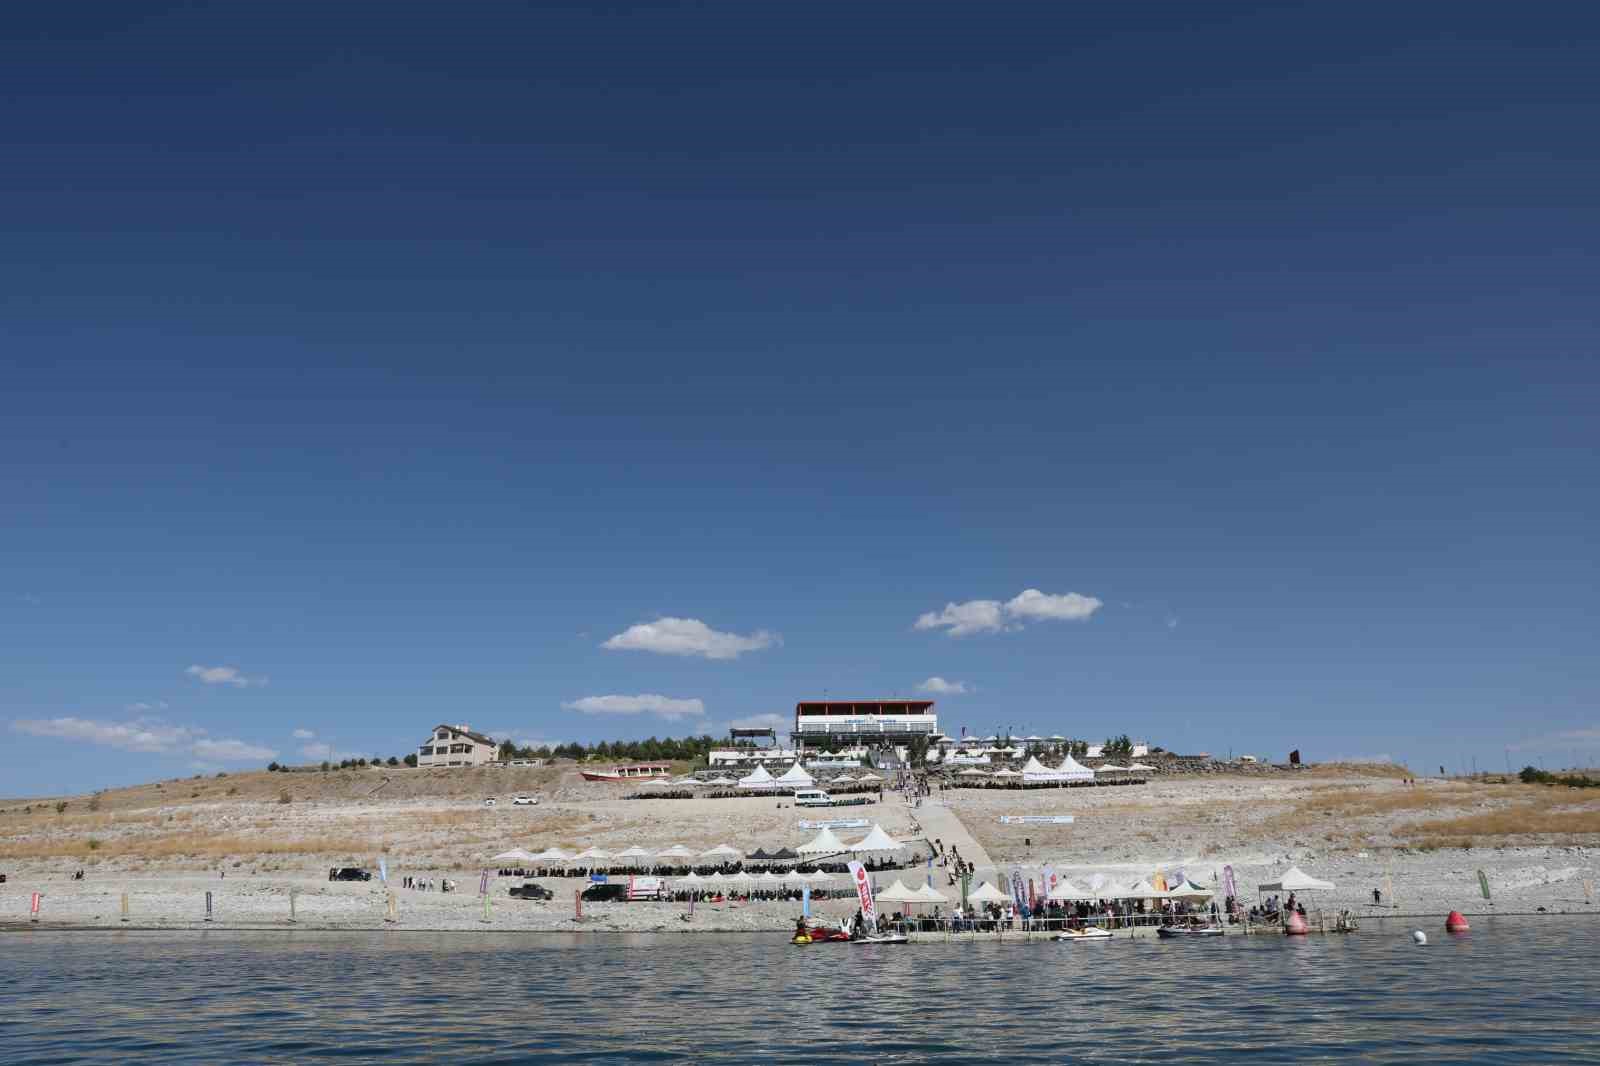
638	772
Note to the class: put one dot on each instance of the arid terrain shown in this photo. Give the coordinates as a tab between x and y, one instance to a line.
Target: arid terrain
250	838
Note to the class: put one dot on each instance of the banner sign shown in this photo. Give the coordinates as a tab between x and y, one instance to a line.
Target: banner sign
858	874
1483	883
383	871
1228	887
837	823
598	879
1036	819
1047	881
483	883
805	902
1016	888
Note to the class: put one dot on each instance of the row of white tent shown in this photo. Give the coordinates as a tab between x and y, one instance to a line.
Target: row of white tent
823	844
794	777
766	880
1069	770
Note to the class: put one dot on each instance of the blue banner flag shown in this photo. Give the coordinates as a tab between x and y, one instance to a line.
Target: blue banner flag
383	871
805	901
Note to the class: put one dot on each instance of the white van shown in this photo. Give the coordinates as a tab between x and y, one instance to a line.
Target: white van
812	797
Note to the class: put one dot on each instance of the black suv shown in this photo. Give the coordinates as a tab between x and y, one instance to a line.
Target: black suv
606	893
349	873
529	890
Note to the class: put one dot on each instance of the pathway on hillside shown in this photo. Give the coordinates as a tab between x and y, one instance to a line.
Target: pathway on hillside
943	824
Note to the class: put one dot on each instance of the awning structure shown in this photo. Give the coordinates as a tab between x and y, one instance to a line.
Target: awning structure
721	851
551	855
1295	879
1066	890
877	840
795	777
514	855
971	773
1188	890
869	777
987	893
758	779
1073	770
590	854
692	879
929	894
635	852
898	893
677	851
824	843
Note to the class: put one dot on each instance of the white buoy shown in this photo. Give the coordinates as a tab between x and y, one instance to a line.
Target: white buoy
1419	937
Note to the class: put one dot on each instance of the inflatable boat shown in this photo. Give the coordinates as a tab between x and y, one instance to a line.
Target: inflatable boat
1181	932
1093	932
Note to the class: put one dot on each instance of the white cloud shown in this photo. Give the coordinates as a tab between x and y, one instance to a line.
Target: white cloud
224	675
150	735
142	735
233	751
303	734
321	750
1567	738
1034	605
689	636
964	619
943	687
992	616
644	703
136	708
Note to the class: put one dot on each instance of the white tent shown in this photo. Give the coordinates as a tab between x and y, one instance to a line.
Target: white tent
1065	890
677	851
1295	879
551	855
721	851
589	854
929	894
719	781
1005	773
795	777
1074	770
877	840
739	878
843	779
1111	768
1188	890
514	855
824	843
869	777
898	893
758	779
635	852
987	893
972	773
692	879
715	879
816	877
1140	889
769	880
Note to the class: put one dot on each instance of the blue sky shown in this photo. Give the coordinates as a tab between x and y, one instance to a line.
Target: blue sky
401	365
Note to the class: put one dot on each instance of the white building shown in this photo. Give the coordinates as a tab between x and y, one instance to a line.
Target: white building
456	745
820	723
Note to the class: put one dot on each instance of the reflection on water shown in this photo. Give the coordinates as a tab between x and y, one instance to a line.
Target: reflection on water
1514	990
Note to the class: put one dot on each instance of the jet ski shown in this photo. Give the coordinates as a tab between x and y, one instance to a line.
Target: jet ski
1093	932
880	938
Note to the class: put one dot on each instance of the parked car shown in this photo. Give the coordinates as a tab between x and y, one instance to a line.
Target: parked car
525	801
529	890
616	892
349	873
489	802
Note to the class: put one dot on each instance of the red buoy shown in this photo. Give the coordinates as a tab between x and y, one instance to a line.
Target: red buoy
1456	922
1295	925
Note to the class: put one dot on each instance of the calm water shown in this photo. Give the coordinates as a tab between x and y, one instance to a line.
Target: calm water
1513	991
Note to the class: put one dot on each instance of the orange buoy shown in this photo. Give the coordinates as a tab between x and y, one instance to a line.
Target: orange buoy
1295	925
1456	922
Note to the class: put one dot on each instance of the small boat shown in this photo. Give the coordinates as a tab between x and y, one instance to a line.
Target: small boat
628	773
884	938
1093	932
1178	932
820	935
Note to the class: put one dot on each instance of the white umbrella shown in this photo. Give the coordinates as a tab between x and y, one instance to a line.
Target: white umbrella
514	855
551	855
869	777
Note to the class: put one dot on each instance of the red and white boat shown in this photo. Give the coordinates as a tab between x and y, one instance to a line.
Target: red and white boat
628	773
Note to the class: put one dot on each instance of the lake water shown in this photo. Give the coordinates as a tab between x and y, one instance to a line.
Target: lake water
1514	990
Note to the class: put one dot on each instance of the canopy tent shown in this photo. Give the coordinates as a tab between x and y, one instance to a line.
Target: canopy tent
1066	890
759	778
589	854
1005	773
692	879
1032	738
784	855
769	880
898	893
659	782
1295	879
869	777
717	879
929	894
739	878
843	779
877	840
987	893
551	855
677	851
635	852
824	843
1140	889
974	772
514	855
1187	889
720	781
816	877
721	851
1073	770
759	853
796	777
1111	768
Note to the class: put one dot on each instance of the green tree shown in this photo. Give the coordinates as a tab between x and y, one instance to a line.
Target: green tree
508	750
917	751
411	759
